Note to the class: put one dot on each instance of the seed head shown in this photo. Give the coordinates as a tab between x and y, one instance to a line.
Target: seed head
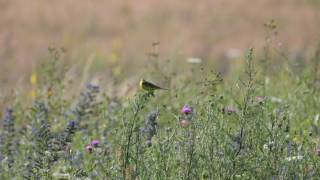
184	123
89	148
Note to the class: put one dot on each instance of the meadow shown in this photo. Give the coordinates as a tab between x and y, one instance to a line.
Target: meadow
260	121
242	102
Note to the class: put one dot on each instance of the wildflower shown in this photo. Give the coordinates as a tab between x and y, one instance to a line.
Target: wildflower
33	94
293	158
33	79
194	60
149	142
89	148
186	109
95	143
268	146
184	123
72	124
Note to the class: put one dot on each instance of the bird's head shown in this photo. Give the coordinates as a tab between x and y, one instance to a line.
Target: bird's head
141	82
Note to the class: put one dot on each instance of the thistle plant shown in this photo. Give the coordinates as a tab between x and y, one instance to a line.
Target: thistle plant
131	132
83	110
190	144
217	129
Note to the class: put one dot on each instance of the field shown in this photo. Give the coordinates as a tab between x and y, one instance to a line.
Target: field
244	107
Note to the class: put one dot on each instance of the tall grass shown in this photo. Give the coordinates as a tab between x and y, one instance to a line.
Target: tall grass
206	127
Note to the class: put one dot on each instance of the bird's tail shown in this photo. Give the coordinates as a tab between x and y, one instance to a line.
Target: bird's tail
164	88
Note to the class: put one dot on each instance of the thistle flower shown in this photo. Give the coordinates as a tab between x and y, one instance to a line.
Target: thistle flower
149	142
89	148
186	109
95	143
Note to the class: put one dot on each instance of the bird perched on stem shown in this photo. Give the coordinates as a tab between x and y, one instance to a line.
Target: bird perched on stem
150	87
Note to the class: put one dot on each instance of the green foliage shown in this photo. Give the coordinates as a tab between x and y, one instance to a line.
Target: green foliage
238	128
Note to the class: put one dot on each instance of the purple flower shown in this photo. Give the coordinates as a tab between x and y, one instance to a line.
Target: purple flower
89	148
143	131
186	109
72	124
318	152
95	143
149	142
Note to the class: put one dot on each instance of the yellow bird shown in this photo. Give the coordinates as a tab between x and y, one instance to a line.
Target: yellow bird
148	86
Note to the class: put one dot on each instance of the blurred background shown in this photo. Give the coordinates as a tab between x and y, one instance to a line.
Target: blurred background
122	32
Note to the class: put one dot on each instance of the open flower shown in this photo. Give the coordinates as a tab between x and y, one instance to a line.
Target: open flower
95	143
186	109
149	142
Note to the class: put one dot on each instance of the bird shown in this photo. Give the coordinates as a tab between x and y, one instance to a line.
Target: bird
148	86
